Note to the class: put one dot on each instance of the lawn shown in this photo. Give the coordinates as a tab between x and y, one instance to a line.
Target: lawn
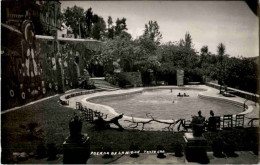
53	119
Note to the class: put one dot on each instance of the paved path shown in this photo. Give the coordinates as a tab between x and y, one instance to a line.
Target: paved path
211	92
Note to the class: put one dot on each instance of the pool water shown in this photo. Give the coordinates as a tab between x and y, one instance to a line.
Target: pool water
164	104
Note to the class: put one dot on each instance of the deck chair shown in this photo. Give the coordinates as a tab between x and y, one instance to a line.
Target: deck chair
227	121
78	105
89	115
239	120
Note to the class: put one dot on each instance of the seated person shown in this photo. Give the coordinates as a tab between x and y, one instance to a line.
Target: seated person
212	123
201	117
179	95
185	95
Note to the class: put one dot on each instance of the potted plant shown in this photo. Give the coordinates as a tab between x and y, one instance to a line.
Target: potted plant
229	148
107	150
217	147
197	124
160	151
134	149
178	149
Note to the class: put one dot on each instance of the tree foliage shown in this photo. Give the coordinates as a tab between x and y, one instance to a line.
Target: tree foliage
74	18
152	32
89	20
120	26
188	41
99	28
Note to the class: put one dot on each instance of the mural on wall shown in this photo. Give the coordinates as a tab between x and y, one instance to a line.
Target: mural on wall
35	66
31	63
22	65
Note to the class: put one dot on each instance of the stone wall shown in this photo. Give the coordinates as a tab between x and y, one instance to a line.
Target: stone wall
33	67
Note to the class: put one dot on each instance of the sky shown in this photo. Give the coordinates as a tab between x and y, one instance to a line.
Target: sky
208	22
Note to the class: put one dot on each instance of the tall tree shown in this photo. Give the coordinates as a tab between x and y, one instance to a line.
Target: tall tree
89	20
109	22
188	40
120	26
152	32
73	18
221	52
111	28
99	27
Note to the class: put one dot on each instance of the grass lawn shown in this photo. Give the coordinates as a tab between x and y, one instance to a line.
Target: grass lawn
53	119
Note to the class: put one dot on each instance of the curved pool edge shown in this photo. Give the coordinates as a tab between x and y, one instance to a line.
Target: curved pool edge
109	110
250	108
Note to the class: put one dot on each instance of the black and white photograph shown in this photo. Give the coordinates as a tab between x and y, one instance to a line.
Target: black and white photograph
130	82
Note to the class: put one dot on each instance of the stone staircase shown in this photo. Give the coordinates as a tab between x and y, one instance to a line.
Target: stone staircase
101	83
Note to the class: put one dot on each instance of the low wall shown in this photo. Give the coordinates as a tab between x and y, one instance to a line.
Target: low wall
243	94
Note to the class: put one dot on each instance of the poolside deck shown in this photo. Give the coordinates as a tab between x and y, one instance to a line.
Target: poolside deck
210	93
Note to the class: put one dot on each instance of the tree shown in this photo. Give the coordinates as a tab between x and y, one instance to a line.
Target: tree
120	26
98	28
203	54
89	20
111	28
74	19
109	22
152	32
188	41
204	50
221	52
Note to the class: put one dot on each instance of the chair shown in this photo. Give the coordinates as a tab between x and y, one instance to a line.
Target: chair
89	115
240	120
78	105
187	124
227	121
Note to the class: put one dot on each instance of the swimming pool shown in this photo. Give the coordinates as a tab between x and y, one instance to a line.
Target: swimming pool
165	104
